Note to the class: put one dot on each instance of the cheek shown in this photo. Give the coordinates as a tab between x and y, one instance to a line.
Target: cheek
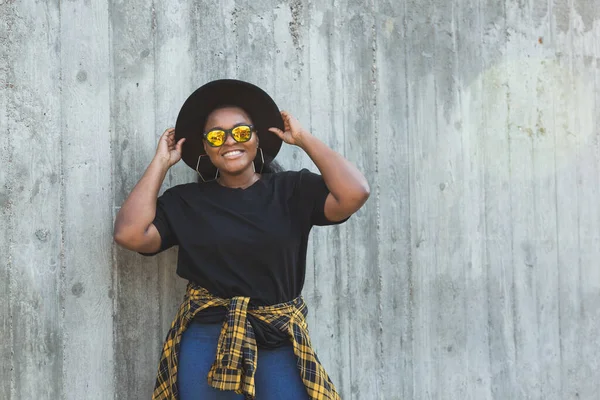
253	143
211	152
251	148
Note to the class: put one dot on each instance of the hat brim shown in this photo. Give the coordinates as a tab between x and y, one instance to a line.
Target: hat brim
193	114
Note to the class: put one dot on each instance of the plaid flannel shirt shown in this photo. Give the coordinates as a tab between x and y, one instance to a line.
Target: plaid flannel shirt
235	362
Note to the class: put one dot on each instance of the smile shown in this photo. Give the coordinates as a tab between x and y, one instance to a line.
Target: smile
233	154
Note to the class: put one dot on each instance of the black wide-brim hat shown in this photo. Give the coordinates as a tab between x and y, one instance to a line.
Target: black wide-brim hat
193	114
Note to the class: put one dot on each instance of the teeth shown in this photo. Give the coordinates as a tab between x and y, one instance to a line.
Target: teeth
232	153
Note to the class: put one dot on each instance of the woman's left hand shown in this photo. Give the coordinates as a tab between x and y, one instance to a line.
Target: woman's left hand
293	132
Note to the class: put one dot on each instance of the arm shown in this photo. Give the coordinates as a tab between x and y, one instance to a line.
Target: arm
133	228
348	187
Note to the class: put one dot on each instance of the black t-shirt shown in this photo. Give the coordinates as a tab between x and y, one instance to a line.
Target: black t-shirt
244	242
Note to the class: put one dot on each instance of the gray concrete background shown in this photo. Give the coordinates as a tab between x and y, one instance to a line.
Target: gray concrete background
473	272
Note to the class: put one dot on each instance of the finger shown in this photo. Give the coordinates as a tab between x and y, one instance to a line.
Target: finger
287	119
277	132
167	132
291	119
165	138
179	145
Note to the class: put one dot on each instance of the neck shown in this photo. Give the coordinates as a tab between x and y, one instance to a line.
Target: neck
243	180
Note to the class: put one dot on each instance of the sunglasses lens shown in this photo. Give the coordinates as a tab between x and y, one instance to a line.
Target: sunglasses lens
241	133
216	138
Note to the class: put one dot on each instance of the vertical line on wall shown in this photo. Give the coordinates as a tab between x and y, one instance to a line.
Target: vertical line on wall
484	253
467	250
168	176
435	295
556	211
236	36
61	203
535	208
570	36
581	250
7	207
570	49
113	137
310	124
341	250
596	138
411	304
347	231
194	41
274	59
595	118
512	251
374	96
111	88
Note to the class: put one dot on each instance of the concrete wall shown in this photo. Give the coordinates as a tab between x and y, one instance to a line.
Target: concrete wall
473	272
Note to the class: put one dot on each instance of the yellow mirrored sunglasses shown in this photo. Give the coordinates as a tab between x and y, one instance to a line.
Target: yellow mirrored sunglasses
240	133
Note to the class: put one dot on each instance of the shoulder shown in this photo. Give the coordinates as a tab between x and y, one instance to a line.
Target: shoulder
179	192
289	179
182	189
307	179
292	175
301	183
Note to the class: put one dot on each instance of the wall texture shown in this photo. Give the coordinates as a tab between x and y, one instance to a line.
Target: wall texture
473	272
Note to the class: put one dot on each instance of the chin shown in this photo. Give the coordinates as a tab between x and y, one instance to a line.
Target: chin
235	168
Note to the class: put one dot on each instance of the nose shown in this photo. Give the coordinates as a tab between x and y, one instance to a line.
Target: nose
229	140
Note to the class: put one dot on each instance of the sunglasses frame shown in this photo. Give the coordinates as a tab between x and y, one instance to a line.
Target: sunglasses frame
230	133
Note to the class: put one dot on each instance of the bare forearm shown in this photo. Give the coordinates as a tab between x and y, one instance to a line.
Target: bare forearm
345	182
138	210
348	188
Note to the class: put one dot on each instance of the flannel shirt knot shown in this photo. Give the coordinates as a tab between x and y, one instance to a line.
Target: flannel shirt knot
235	362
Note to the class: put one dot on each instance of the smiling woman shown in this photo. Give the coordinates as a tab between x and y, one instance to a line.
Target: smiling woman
242	132
231	146
242	232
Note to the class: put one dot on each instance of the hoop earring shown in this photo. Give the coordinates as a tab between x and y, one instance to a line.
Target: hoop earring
262	156
201	177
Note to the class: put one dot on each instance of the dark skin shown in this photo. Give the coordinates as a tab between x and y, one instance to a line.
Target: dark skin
348	187
233	160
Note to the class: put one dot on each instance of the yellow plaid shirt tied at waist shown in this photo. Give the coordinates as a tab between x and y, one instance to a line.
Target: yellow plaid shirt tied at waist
235	362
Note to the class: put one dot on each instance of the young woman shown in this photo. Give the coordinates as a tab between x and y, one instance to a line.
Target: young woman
242	233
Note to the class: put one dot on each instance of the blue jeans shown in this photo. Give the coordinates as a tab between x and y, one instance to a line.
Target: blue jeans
277	376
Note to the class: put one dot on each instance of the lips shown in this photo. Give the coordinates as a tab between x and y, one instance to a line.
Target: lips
229	154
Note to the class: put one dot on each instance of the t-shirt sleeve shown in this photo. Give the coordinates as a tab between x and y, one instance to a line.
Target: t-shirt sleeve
161	222
312	193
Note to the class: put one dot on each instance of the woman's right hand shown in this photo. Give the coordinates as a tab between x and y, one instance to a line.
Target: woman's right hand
167	150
